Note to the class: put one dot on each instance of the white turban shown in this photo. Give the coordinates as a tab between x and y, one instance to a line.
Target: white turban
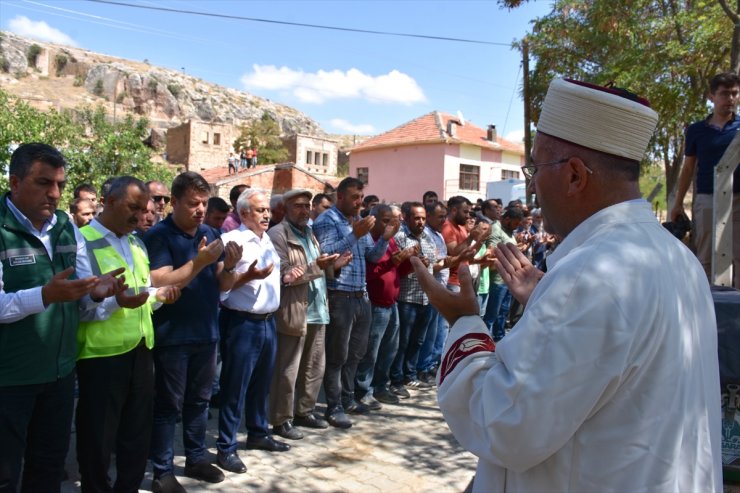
597	119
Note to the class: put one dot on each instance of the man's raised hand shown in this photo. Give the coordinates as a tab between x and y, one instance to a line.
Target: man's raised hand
361	227
232	254
325	260
132	301
208	254
168	294
450	305
293	274
61	289
255	273
390	231
517	271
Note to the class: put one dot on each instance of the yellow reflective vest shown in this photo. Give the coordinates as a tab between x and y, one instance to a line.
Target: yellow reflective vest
125	328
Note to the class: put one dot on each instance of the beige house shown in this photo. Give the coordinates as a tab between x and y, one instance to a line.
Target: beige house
201	146
314	154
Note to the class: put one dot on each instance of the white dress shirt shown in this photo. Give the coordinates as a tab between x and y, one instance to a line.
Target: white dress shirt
260	296
20	304
610	380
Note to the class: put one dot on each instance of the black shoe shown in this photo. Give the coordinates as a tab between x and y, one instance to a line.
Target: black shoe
215	401
354	407
266	443
167	484
204	471
400	391
287	430
416	384
371	402
338	419
427	377
386	396
310	421
230	462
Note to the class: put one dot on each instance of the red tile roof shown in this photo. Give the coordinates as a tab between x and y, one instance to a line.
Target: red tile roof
432	129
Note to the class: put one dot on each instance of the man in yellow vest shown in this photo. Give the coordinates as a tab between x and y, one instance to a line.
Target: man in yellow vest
115	338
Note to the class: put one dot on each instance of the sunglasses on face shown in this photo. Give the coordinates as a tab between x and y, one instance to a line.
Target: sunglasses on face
160	198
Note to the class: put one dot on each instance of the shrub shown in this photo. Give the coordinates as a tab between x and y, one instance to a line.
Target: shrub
121	96
152	85
32	54
98	89
174	89
61	62
79	81
4	64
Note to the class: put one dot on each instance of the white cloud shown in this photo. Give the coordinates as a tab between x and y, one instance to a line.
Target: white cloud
345	126
516	136
321	86
39	30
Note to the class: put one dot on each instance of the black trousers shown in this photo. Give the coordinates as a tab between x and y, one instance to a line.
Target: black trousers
35	423
115	414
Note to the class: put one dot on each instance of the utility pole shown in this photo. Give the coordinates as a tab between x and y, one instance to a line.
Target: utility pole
527	109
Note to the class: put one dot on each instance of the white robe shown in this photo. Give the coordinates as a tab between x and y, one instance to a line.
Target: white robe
610	380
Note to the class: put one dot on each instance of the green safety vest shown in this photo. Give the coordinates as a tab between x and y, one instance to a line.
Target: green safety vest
39	348
125	328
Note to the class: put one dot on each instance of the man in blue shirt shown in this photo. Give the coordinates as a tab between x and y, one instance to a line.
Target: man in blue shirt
706	142
186	253
338	230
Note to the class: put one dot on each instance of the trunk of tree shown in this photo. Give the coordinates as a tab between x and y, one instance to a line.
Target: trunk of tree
735	48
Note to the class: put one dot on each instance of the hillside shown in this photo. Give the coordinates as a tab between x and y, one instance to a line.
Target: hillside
67	77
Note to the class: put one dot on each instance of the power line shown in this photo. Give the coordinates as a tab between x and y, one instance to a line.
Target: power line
299	24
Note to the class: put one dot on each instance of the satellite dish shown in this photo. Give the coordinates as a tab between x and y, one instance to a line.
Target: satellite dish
461	118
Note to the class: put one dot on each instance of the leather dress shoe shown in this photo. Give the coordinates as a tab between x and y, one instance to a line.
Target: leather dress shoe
338	419
204	471
230	462
354	407
385	396
267	443
167	484
287	430
310	421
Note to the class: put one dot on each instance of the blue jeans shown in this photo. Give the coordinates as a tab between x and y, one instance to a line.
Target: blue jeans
443	329
497	308
426	354
482	302
183	379
373	369
248	350
414	319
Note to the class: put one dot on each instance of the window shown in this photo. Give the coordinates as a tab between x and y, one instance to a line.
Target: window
326	159
507	174
309	155
204	137
469	177
216	139
363	175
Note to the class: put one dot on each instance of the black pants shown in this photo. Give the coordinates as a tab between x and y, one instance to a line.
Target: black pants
114	414
35	423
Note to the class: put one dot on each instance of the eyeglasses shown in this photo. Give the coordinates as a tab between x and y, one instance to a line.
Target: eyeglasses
531	169
159	198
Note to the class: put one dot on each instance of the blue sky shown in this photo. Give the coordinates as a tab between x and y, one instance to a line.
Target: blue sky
348	82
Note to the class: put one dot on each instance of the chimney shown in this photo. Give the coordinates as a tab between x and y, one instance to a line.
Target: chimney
492	133
451	128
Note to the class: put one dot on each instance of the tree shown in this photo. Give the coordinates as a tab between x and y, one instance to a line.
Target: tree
664	50
94	147
264	134
734	16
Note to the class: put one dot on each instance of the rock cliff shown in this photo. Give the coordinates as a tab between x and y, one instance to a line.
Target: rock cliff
66	77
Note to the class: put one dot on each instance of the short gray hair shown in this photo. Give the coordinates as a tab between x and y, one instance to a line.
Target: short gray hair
242	203
276	200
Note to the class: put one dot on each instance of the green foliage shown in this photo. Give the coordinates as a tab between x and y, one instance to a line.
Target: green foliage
4	64
264	134
95	147
32	54
153	83
663	50
79	81
174	89
98	89
61	62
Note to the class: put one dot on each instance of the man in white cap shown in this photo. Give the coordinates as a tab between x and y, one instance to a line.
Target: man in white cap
610	380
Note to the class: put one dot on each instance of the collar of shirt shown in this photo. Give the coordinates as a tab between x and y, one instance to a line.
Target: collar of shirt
119	243
339	216
638	210
48	224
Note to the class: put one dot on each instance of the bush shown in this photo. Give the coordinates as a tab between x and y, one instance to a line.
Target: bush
121	97
174	89
32	54
4	64
98	89
79	81
152	85
61	62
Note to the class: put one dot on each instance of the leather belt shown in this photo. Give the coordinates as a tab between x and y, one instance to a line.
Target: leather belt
348	294
249	315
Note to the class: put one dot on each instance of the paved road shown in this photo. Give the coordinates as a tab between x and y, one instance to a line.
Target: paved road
405	447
